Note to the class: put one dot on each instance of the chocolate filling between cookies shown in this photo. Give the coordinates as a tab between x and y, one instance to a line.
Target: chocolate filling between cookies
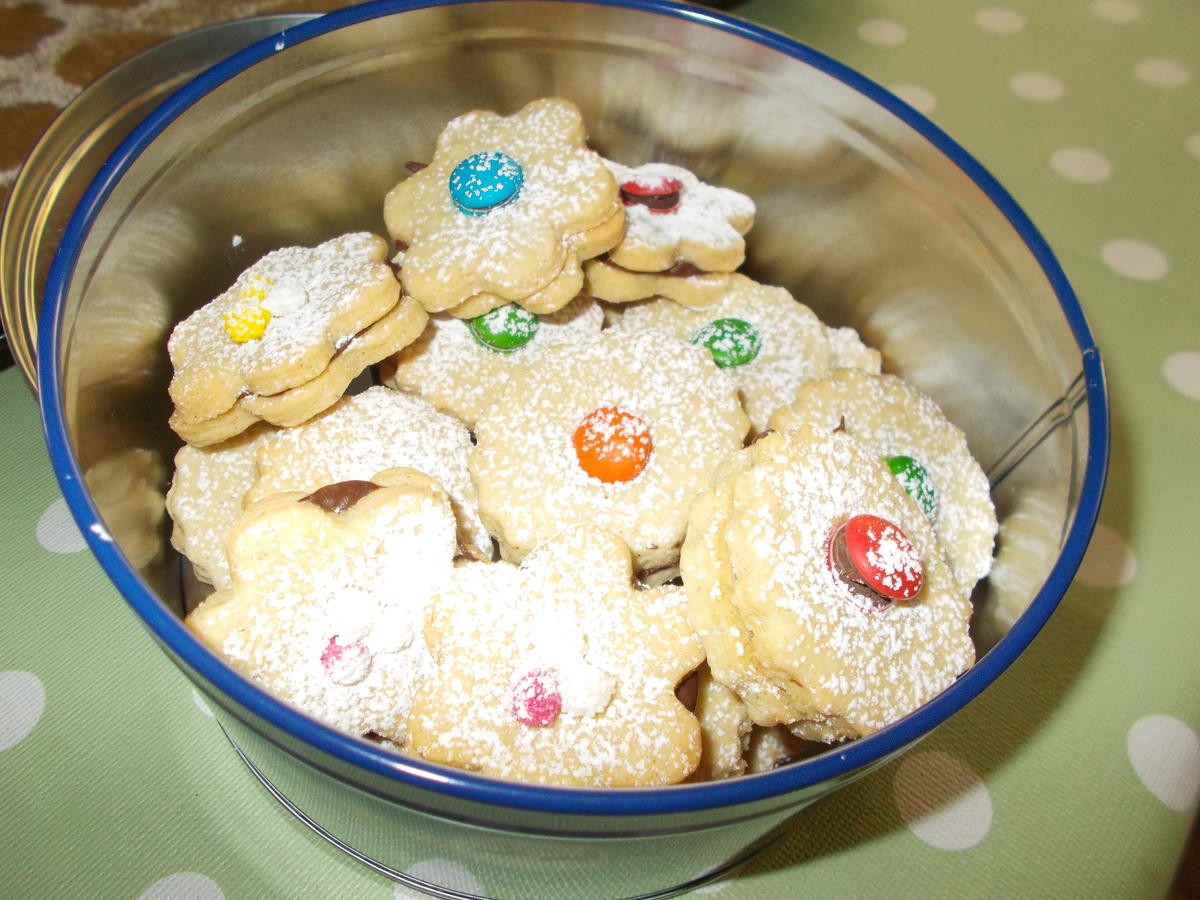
341	495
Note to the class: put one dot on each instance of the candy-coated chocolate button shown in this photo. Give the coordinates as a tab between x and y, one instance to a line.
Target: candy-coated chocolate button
247	323
612	444
535	699
732	342
659	196
916	480
345	664
504	329
485	181
884	556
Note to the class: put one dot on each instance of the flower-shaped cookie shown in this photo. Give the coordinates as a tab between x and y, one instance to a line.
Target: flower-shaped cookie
927	453
205	499
368	432
724	729
818	588
682	239
561	671
504	212
672	217
769	342
287	337
620	433
458	365
328	596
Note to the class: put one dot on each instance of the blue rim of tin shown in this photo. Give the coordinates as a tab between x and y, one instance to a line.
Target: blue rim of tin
828	767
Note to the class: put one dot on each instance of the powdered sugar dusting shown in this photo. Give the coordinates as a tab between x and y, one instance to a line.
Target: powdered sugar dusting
894	419
366	433
809	655
454	372
517	249
586	658
530	482
318	299
795	345
705	228
337	633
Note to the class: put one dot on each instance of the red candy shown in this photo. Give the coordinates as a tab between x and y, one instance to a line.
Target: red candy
661	196
535	698
884	556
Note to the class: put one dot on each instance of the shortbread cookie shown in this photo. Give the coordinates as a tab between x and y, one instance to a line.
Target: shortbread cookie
724	729
673	217
769	747
328	595
768	341
368	432
565	286
818	587
928	454
507	207
458	365
620	433
561	671
396	329
205	499
684	284
282	327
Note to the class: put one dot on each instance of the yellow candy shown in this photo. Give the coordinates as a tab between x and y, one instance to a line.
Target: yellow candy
256	289
247	323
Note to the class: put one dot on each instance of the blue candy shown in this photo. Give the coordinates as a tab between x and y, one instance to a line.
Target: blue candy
485	181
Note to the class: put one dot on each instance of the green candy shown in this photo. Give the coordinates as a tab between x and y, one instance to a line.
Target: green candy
916	480
732	342
504	329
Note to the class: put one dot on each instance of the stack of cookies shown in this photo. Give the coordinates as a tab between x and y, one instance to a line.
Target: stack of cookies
610	512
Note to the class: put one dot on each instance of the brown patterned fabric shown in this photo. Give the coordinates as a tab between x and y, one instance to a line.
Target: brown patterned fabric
50	51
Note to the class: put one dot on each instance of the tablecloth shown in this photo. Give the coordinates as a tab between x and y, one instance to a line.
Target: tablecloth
1076	774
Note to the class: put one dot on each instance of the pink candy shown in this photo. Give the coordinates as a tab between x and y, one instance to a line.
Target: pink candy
346	664
535	698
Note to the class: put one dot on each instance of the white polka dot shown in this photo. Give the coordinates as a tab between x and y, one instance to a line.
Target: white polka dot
441	872
999	20
22	699
942	801
919	98
1039	87
1109	561
1135	259
1120	12
201	703
1081	164
183	886
725	881
1165	754
883	32
1162	73
1193	144
57	531
1182	372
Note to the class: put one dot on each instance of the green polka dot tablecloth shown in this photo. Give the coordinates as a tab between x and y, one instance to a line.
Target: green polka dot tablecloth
1076	775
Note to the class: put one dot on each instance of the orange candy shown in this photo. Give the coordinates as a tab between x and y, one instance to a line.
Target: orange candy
612	444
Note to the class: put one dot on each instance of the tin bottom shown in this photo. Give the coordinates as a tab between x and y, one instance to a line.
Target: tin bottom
451	860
